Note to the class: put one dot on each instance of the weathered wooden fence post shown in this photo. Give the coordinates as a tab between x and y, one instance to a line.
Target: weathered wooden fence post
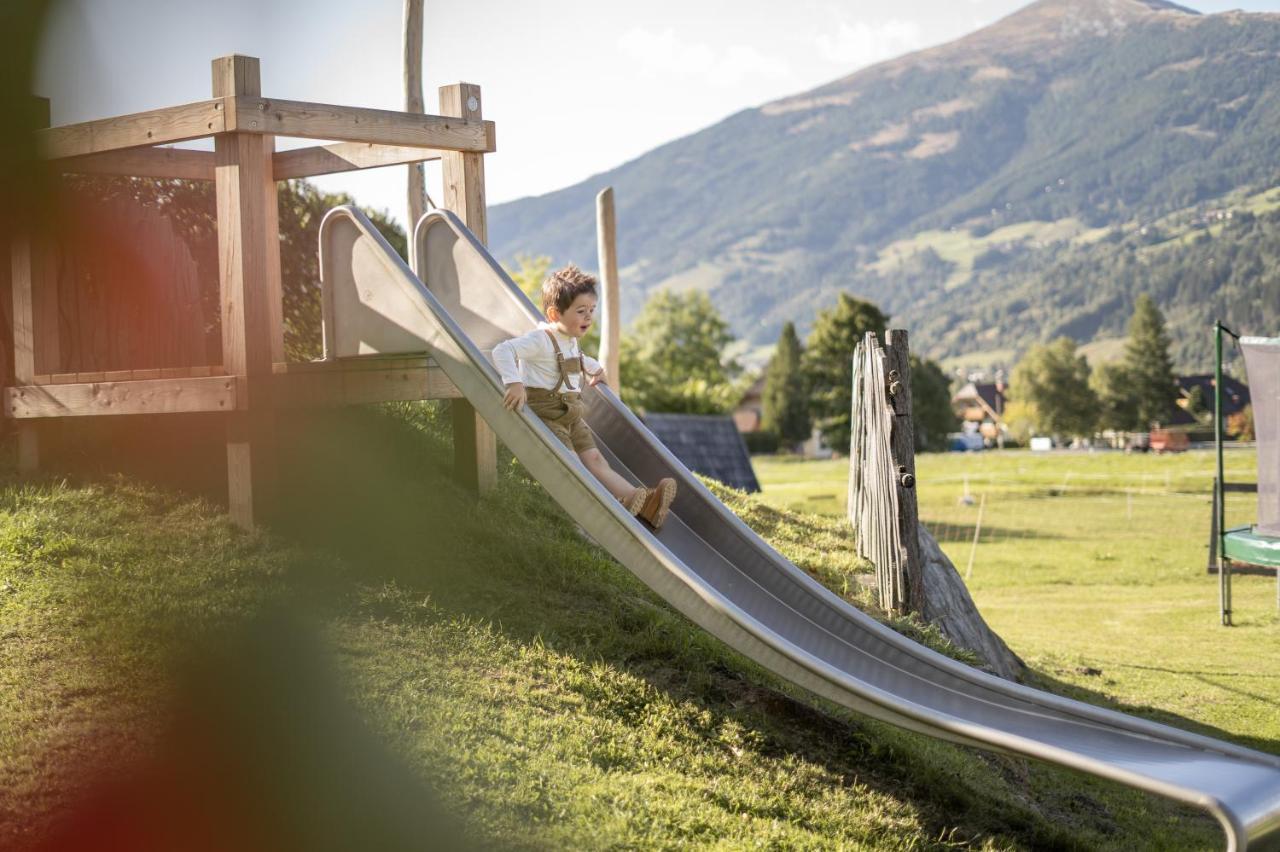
897	383
913	575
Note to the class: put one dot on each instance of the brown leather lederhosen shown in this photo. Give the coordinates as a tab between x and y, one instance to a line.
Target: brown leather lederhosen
563	411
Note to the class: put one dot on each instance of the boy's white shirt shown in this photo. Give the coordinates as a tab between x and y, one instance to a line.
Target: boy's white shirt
531	360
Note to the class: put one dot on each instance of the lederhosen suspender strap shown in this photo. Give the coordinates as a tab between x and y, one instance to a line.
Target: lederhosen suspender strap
566	365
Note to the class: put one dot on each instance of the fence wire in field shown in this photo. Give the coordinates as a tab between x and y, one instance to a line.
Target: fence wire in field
1002	522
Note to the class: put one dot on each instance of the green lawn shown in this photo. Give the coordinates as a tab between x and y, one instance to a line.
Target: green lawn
390	651
1092	568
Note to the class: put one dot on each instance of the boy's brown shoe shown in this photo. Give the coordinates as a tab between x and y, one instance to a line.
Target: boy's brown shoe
635	503
658	503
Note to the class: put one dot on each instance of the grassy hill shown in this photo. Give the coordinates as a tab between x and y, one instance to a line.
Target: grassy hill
951	182
392	666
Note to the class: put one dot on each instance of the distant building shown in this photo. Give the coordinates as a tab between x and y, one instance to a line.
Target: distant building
707	444
1197	396
983	404
748	415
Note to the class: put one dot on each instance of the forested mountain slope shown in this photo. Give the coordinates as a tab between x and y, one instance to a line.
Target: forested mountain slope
1033	162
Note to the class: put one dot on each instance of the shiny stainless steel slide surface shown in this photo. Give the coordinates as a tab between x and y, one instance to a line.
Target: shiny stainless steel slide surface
717	572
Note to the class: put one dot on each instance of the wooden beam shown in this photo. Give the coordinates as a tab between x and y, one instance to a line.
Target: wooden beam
298	389
413	103
154	127
346	157
24	291
358	124
275	272
143	162
610	304
148	396
24	350
243	170
463	173
22	278
475	447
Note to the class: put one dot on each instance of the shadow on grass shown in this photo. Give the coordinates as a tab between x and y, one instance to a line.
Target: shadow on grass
1041	679
374	489
948	533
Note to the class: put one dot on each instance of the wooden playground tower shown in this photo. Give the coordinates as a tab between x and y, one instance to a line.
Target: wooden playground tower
253	382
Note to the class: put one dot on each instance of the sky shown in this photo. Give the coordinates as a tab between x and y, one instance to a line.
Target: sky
575	87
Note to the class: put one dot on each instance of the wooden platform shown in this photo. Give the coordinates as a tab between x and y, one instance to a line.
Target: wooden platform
193	389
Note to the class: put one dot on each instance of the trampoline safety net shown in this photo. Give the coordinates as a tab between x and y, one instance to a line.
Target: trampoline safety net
1262	361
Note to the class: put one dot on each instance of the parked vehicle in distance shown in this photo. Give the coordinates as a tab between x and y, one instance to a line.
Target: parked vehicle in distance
1169	441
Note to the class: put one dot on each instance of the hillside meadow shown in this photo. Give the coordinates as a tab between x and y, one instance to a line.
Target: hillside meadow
1092	567
393	665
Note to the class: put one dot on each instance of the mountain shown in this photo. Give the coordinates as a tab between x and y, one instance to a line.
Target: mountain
1018	183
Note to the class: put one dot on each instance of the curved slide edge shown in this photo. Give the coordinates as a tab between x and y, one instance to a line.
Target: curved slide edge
382	290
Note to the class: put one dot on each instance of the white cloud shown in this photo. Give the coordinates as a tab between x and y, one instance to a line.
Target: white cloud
664	53
861	43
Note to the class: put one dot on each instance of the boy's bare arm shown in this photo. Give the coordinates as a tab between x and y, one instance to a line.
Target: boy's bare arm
515	396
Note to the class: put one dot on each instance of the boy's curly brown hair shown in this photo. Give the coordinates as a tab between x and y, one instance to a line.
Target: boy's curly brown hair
565	285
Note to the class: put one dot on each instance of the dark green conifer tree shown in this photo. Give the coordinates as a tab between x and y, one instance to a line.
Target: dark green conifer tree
785	399
828	364
1148	367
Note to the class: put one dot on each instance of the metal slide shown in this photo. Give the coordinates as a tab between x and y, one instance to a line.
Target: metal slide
717	572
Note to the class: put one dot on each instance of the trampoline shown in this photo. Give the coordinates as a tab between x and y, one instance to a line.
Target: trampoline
1257	544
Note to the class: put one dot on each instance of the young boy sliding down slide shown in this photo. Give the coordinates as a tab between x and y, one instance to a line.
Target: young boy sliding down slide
549	376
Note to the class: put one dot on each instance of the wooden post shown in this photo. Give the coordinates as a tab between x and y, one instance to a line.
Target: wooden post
35	316
242	176
897	382
610	310
413	104
475	448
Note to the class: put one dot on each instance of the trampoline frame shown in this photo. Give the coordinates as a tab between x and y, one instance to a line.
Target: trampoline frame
1238	544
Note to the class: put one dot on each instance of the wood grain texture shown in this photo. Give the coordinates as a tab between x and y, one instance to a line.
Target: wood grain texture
897	367
475	447
21	283
610	306
345	157
300	389
243	171
153	127
462	174
358	124
416	183
153	396
275	274
143	162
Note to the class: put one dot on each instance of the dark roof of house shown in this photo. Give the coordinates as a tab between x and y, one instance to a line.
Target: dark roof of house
1235	396
706	444
992	395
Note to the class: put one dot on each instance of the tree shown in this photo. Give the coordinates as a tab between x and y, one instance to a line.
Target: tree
1054	379
786	404
1116	409
1020	420
190	206
301	207
828	363
1148	367
673	357
931	408
529	273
